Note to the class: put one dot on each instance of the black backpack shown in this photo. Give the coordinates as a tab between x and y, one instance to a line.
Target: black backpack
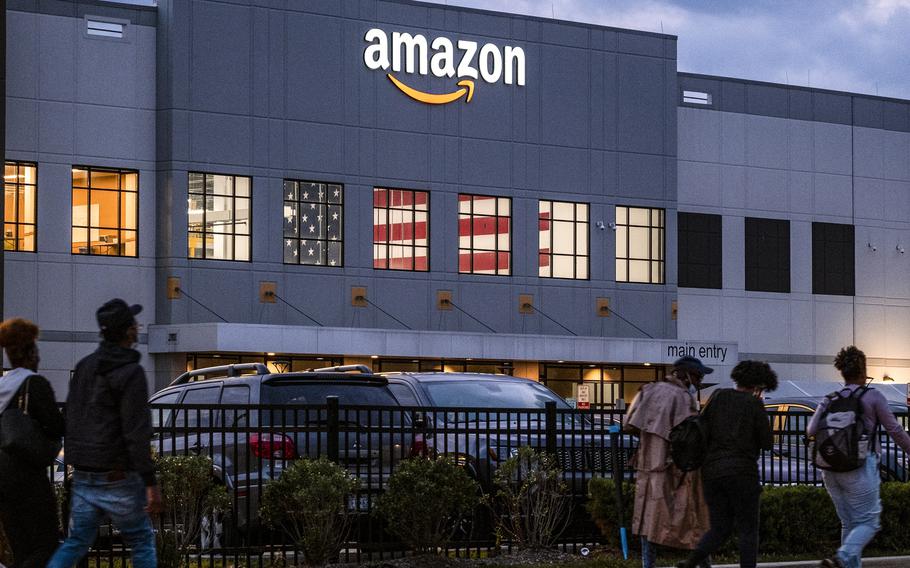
840	442
689	443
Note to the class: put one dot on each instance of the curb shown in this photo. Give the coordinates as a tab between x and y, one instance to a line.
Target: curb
875	561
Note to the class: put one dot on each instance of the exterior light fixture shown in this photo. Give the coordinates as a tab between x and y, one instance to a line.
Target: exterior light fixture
560	361
647	364
374	356
270	354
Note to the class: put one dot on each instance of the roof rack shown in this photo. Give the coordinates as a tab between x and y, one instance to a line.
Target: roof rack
363	369
223	371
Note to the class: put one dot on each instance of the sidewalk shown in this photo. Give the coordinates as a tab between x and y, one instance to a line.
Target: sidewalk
880	562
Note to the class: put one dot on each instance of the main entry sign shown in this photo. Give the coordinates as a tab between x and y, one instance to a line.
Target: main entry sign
404	53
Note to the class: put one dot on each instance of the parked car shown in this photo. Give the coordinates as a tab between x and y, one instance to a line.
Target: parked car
486	418
253	422
790	462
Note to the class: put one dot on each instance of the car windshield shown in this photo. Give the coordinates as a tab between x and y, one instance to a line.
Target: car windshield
316	393
352	398
491	394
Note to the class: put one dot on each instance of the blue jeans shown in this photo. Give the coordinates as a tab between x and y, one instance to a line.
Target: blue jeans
93	498
856	498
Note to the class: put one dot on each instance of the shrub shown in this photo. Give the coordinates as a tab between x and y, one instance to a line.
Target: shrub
798	519
190	494
895	533
604	510
794	519
531	500
426	500
309	503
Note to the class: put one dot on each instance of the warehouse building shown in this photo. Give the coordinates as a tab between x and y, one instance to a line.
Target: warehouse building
416	186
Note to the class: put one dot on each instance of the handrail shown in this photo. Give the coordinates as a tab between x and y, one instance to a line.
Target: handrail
228	370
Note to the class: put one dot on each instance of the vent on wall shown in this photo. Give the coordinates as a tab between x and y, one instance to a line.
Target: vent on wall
104	29
697	98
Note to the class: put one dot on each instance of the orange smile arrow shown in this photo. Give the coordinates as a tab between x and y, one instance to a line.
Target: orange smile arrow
432	99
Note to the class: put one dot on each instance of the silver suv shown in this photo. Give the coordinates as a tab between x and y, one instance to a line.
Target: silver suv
253	423
486	418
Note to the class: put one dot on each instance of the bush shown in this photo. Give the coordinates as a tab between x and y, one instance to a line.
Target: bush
604	510
190	494
798	519
309	503
426	500
795	520
531	500
895	533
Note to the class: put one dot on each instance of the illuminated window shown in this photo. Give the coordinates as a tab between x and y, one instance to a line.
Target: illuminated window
21	180
218	212
484	234
640	245
401	229
313	223
105	211
563	240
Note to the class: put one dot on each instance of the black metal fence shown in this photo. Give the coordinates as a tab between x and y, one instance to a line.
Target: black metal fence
251	446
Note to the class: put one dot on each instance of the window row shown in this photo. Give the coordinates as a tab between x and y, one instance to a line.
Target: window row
105	210
105	222
767	255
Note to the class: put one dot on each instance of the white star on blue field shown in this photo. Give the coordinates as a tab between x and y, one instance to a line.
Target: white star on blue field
858	46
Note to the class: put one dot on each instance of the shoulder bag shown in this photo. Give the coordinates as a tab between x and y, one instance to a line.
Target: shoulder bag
22	437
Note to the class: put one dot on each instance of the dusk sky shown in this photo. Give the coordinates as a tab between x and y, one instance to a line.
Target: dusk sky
861	46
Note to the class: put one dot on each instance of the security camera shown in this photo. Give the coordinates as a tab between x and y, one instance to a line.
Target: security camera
600	225
872	247
613	225
900	249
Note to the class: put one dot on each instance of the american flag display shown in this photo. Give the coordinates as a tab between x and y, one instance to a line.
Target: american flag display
484	234
313	223
401	229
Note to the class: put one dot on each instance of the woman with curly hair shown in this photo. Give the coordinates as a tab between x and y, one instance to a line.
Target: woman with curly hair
738	429
855	493
28	509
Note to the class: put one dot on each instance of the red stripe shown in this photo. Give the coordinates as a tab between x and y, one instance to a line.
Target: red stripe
483	261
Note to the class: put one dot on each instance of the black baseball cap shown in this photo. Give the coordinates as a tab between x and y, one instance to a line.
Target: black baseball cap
116	315
689	363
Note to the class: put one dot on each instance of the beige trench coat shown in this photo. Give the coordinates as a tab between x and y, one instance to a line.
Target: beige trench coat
670	507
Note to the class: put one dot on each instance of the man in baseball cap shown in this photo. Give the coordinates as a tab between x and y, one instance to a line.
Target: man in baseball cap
115	317
108	443
691	370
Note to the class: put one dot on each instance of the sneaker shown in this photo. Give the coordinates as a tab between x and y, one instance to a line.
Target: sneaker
833	562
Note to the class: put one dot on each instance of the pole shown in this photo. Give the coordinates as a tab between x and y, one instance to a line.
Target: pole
2	140
617	482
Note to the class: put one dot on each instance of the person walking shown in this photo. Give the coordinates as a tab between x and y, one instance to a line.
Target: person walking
855	493
669	507
108	443
738	429
28	508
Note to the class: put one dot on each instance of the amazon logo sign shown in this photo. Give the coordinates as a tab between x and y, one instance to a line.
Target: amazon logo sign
462	61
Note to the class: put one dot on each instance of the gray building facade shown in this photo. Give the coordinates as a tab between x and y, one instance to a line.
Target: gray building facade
439	150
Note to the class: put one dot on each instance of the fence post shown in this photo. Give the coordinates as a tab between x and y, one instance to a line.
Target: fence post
332	427
551	428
